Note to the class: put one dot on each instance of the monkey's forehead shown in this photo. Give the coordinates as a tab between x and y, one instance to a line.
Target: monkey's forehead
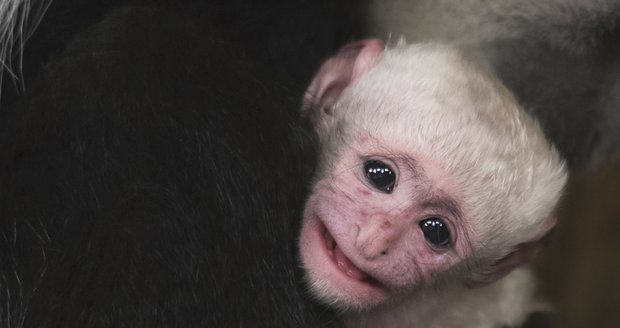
429	93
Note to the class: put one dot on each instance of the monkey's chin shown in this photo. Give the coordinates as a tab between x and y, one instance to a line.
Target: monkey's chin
333	278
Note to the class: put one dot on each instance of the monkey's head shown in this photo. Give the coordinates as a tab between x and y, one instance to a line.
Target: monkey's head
429	174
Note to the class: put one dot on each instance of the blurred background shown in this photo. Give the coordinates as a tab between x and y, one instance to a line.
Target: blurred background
580	271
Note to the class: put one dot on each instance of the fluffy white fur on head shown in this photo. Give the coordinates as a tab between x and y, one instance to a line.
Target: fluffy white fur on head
430	102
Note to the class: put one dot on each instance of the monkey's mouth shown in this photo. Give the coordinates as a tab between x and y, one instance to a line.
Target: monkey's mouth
342	262
331	274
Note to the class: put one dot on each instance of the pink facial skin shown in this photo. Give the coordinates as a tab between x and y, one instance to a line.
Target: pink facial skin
362	247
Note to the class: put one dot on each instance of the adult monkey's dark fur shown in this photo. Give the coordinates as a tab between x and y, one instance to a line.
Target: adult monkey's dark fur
152	174
289	37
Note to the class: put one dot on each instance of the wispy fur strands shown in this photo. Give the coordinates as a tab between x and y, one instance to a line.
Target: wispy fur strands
18	20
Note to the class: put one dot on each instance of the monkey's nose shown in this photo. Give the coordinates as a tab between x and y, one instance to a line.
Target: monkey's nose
375	238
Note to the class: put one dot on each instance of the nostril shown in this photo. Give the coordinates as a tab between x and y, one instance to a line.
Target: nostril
373	248
373	239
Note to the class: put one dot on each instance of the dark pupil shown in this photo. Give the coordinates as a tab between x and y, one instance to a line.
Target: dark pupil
380	175
435	232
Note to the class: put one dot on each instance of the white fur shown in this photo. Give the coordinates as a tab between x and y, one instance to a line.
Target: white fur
18	20
506	302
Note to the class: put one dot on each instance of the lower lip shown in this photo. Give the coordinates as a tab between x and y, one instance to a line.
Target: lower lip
336	284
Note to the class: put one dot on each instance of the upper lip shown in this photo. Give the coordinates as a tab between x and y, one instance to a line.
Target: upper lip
354	272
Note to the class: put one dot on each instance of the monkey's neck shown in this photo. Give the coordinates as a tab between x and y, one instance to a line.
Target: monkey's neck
506	302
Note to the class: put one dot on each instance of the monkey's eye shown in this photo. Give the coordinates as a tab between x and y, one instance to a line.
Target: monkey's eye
435	232
380	176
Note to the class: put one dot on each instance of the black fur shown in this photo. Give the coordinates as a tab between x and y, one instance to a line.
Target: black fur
153	174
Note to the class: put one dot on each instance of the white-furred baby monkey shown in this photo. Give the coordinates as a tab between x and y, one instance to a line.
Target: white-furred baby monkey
433	185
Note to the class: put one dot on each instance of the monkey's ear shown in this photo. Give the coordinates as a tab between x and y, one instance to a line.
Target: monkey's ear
338	72
524	253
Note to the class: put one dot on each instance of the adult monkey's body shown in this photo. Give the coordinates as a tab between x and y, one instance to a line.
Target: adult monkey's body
151	172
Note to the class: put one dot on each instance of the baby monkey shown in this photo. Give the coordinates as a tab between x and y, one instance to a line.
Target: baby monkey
433	186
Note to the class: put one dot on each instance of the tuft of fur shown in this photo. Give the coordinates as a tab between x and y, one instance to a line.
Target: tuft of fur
18	20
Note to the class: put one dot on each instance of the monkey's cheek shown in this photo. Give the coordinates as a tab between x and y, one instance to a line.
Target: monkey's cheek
326	276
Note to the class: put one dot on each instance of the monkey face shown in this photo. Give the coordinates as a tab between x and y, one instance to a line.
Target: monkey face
429	167
377	228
